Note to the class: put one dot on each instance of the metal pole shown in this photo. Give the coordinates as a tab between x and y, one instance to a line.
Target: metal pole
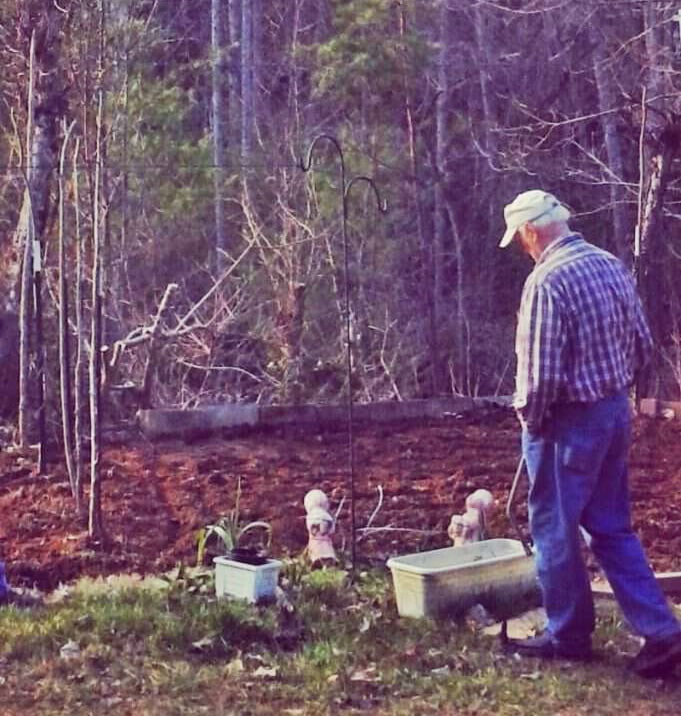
345	187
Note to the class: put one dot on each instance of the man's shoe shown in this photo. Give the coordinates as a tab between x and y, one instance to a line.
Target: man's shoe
658	658
545	647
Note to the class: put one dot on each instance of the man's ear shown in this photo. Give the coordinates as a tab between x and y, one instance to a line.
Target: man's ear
531	233
521	235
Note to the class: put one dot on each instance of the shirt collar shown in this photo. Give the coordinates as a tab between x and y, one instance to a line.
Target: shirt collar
556	245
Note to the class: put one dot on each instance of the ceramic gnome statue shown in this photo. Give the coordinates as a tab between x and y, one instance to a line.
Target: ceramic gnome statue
471	525
320	527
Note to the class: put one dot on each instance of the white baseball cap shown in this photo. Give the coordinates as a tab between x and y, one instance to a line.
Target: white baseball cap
529	206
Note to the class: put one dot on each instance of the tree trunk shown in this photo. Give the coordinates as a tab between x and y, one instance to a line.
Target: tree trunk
485	41
78	369
607	100
660	146
438	241
425	245
44	105
247	86
218	115
95	526
257	36
95	522
649	267
234	12
25	236
64	347
39	356
293	98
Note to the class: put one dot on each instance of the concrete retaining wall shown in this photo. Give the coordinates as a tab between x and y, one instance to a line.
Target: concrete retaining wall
166	423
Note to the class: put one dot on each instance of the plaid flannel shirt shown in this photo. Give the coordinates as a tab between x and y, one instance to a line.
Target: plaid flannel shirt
581	334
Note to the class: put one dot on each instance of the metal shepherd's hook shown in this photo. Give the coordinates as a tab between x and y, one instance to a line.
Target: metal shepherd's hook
306	165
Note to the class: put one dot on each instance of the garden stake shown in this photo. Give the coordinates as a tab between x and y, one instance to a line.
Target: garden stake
527	544
345	187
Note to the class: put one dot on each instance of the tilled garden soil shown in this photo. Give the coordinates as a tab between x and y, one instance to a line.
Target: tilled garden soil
157	495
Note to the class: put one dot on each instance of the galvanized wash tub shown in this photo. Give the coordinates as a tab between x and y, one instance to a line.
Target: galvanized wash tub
496	573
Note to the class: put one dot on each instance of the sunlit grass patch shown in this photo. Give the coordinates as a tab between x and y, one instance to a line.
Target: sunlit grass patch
153	621
333	644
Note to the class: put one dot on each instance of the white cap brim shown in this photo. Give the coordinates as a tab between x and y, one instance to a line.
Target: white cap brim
507	238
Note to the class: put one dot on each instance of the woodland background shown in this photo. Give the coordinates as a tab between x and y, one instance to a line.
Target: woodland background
150	154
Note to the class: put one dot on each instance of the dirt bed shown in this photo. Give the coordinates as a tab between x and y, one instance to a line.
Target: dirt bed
156	496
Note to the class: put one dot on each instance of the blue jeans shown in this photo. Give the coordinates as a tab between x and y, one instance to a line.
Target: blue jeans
578	474
4	587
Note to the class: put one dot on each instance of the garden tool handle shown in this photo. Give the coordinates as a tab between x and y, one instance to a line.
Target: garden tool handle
527	546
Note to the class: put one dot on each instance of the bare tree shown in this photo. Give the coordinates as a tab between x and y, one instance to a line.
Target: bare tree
218	117
607	100
45	102
78	368
95	520
661	134
234	15
247	83
64	346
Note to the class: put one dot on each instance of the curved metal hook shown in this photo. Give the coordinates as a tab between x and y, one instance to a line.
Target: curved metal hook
345	187
380	203
306	164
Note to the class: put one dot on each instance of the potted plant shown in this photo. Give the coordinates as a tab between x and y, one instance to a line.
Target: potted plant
243	571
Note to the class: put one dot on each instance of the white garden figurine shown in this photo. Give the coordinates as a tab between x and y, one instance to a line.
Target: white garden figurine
455	530
320	526
316	498
480	500
471	525
465	528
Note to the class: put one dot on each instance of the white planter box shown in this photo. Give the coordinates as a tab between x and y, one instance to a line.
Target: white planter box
448	581
253	583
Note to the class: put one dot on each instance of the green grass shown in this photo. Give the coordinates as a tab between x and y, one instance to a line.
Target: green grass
168	647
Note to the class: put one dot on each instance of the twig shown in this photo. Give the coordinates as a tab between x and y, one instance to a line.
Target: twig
378	507
339	508
399	529
225	275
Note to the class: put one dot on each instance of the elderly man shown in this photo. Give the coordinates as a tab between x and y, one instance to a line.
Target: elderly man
581	338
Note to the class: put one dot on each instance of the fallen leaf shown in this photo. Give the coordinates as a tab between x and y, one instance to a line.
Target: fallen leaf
70	650
264	672
367	675
203	644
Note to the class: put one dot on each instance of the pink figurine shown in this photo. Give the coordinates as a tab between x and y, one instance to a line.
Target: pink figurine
320	527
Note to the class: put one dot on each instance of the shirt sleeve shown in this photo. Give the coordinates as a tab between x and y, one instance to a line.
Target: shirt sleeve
643	341
540	340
